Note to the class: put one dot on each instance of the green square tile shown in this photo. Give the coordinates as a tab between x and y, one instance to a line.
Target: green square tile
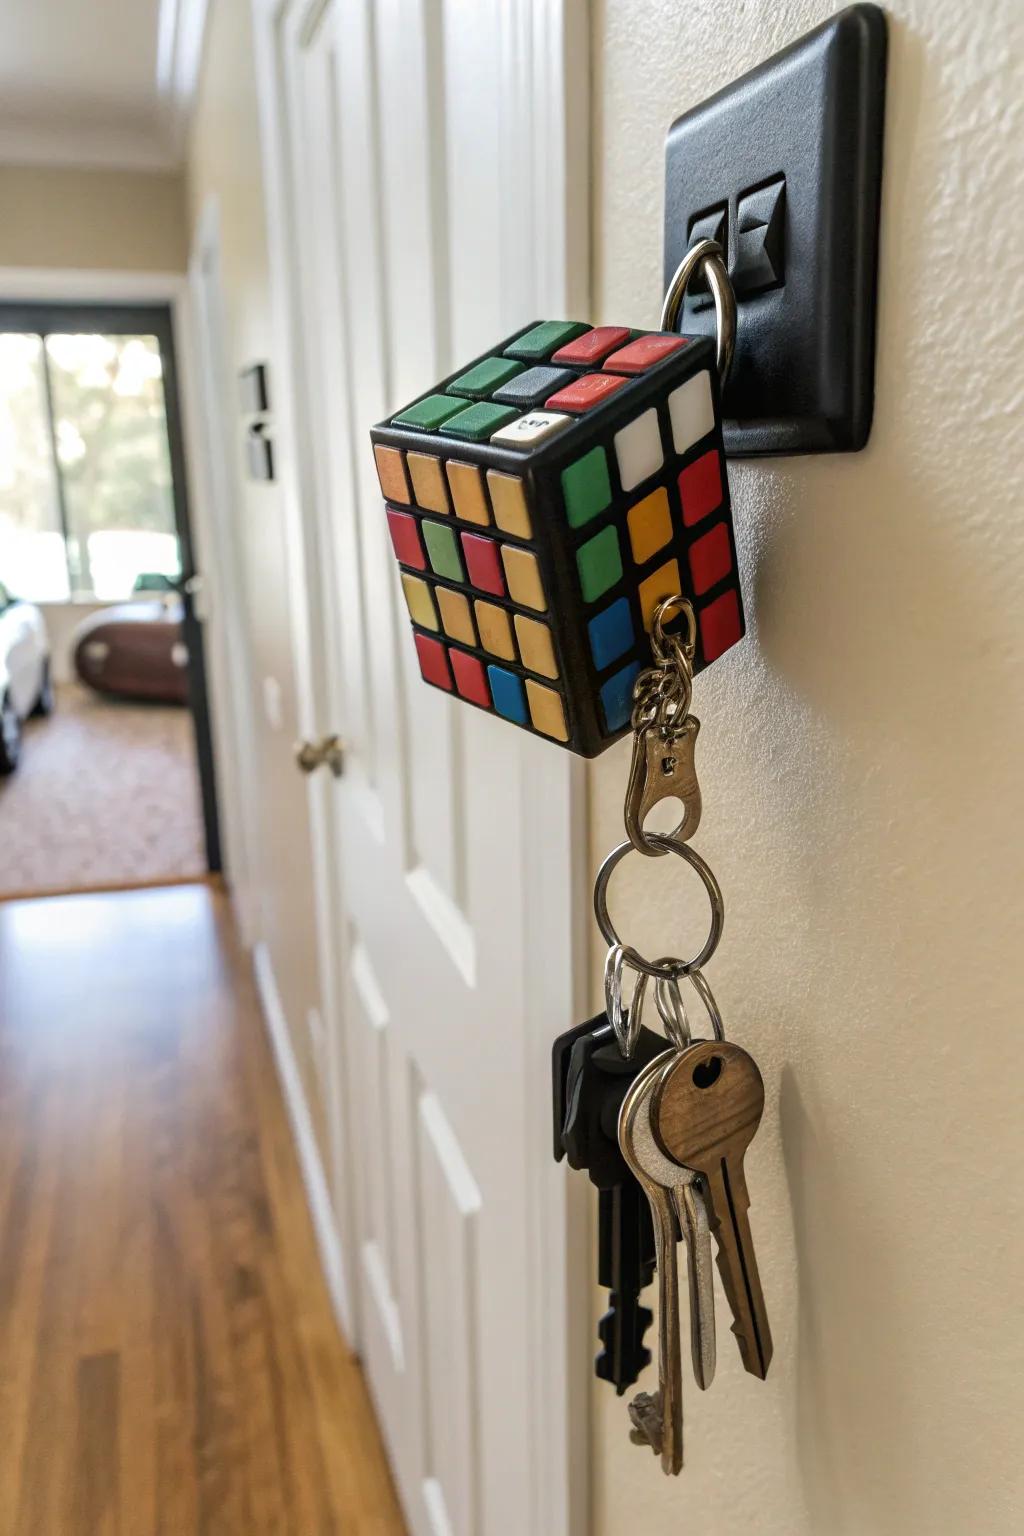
545	339
480	382
428	414
586	487
443	550
478	422
599	563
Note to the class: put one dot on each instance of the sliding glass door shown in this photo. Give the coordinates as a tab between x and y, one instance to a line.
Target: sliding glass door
93	502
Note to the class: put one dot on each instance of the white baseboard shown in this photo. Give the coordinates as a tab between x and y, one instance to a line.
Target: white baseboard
318	1191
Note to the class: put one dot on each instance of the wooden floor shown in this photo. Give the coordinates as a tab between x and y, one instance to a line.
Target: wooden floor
169	1361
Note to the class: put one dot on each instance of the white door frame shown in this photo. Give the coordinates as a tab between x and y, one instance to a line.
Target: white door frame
103	286
217	471
543	82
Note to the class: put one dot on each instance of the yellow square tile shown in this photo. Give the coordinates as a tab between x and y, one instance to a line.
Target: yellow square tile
391	473
523	576
508	498
650	525
455	616
495	630
468	496
535	646
663	583
428	483
546	710
419	602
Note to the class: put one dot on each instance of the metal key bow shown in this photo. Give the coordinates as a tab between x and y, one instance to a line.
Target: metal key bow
664	731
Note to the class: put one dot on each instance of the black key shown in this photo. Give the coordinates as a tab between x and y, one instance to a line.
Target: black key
590	1081
625	1267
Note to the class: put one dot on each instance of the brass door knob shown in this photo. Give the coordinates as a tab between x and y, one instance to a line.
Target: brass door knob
311	755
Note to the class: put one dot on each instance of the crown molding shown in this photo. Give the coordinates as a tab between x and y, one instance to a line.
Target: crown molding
86	147
181	30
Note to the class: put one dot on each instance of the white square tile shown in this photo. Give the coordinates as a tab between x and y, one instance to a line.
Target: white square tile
691	412
638	450
533	428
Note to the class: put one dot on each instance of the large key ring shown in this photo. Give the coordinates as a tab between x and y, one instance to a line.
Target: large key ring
706	254
667	968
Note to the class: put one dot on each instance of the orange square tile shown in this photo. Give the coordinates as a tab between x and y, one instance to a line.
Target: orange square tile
546	710
391	473
508	498
495	630
523	576
664	582
455	616
469	499
429	488
650	525
535	646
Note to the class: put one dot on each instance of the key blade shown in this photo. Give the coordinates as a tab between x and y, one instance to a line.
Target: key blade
737	1266
694	1225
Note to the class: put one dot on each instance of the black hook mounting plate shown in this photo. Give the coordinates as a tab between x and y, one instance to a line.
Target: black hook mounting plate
784	169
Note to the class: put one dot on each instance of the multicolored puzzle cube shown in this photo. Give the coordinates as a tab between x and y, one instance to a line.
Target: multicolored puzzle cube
541	503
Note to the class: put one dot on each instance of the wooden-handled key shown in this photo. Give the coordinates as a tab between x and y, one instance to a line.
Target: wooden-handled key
676	1205
706	1108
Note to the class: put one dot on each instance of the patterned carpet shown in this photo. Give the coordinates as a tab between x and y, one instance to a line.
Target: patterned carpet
106	793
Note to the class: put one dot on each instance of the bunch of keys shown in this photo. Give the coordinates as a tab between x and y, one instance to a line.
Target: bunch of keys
679	1113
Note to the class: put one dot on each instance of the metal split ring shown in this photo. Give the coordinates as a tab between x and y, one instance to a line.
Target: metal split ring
668	968
672	1009
708	256
624	1021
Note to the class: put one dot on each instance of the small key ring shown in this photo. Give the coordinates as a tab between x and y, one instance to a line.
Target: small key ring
670	968
625	1022
672	1011
707	255
668	995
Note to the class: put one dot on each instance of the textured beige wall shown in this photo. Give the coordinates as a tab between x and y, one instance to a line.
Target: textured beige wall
860	759
224	161
95	219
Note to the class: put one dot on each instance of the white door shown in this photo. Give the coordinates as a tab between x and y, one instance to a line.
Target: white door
426	176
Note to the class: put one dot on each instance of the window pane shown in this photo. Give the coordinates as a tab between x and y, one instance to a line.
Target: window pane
111	425
31	544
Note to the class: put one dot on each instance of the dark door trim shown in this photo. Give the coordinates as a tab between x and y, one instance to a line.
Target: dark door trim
142	319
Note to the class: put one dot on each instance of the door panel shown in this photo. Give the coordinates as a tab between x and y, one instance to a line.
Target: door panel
387	122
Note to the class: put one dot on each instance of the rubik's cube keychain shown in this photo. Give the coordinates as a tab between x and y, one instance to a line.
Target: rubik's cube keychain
544	499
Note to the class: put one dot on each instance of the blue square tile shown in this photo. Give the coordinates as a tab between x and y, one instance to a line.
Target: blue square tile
611	634
507	693
617	697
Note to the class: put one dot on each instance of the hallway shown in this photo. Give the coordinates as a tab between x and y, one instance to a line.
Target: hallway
170	1359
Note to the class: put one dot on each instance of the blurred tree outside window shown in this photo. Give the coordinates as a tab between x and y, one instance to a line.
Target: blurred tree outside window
86	500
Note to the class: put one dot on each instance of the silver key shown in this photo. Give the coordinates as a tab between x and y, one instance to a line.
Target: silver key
675	1195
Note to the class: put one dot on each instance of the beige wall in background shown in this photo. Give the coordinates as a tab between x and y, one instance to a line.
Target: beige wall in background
860	759
224	161
95	219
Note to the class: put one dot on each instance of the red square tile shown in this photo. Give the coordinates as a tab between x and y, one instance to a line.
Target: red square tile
643	353
710	559
483	562
470	678
405	536
720	625
433	661
584	393
589	349
700	487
